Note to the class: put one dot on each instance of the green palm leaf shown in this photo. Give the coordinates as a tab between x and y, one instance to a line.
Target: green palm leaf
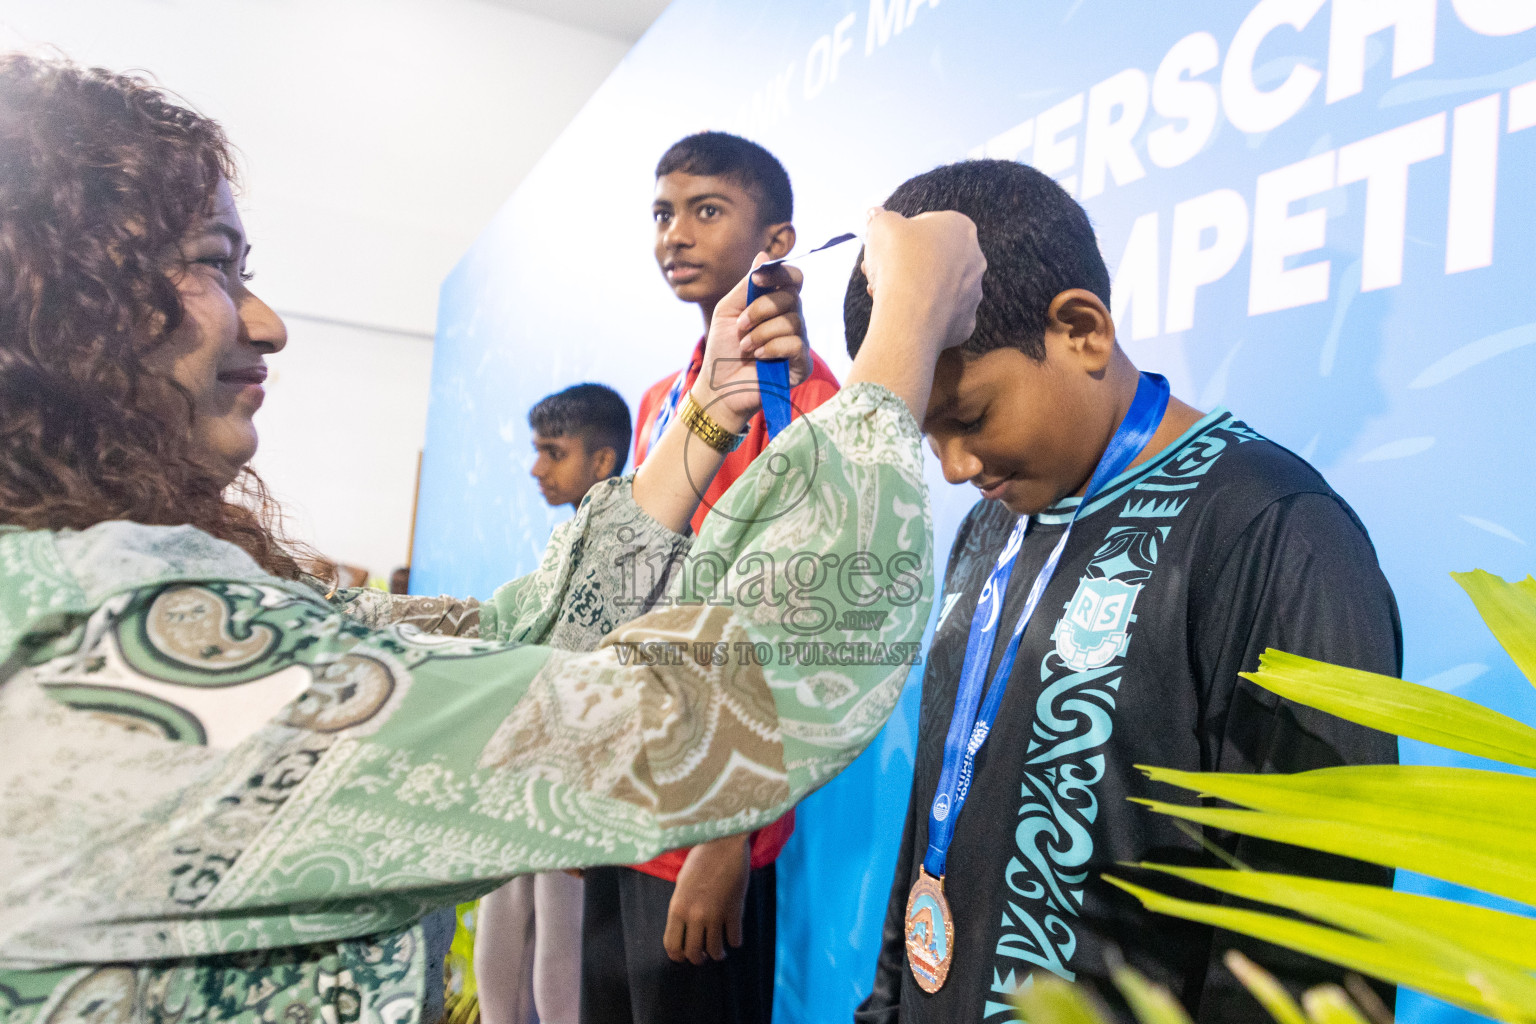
1472	827
1480	931
1395	706
1050	1000
1474	861
1444	800
1047	999
1467	981
1509	609
1263	987
1152	1004
1328	1004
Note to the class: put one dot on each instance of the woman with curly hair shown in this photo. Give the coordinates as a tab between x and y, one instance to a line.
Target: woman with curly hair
226	795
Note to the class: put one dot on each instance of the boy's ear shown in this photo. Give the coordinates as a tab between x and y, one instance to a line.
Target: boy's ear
606	459
781	240
1081	320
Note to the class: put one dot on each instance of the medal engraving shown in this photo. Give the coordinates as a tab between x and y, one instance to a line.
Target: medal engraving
930	932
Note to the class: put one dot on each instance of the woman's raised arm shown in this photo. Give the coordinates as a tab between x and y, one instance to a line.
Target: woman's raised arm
256	769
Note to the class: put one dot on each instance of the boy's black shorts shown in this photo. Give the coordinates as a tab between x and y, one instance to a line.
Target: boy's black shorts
627	977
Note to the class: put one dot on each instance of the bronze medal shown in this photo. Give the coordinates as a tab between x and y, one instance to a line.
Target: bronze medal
930	932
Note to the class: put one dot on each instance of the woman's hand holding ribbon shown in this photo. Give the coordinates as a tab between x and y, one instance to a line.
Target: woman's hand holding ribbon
772	327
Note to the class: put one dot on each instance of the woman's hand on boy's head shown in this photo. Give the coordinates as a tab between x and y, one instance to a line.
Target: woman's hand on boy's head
931	263
772	327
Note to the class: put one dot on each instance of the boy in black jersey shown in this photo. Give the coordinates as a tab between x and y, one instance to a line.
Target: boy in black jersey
1213	545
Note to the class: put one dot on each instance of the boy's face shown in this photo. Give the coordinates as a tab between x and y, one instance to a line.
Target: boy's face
1025	433
707	233
565	469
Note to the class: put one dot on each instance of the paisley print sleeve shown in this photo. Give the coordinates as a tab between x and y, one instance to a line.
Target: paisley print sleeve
445	616
605	566
775	656
216	764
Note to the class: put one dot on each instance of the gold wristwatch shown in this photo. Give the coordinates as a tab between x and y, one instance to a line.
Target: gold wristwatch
705	428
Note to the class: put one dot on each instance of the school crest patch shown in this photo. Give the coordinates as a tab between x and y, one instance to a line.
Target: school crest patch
1094	630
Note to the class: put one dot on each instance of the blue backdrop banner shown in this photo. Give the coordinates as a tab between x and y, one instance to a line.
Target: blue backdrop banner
1318	213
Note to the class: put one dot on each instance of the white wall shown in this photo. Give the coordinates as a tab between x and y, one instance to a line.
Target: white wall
376	138
340	432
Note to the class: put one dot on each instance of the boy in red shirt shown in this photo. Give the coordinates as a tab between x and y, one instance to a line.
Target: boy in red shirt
655	936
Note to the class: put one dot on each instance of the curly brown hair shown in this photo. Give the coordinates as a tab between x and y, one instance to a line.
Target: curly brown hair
101	176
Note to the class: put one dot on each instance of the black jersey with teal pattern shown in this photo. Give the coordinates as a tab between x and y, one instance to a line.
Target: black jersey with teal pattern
1174	580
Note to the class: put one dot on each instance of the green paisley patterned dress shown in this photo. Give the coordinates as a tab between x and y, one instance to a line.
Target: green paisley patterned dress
224	798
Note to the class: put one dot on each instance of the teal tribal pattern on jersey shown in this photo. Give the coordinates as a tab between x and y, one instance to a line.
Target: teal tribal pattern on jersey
1080	676
224	798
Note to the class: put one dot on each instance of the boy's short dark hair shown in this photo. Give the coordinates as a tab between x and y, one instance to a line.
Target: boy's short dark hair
720	155
1036	238
592	412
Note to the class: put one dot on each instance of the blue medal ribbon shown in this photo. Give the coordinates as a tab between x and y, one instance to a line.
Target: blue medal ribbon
773	374
668	407
974	714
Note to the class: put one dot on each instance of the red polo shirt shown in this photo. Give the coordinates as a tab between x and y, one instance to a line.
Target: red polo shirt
805	396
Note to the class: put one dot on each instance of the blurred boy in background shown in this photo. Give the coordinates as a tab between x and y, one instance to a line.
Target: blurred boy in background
581	435
528	941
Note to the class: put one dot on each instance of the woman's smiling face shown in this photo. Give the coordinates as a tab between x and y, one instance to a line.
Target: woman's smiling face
217	352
